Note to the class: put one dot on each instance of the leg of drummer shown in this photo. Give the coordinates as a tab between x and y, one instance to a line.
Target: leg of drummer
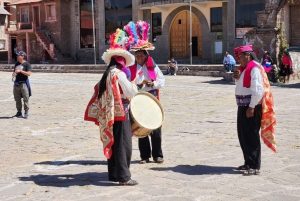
157	153
145	149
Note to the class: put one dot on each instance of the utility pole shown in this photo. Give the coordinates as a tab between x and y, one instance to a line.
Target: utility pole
94	34
191	34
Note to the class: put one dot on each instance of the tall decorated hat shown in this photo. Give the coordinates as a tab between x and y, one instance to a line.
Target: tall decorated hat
119	47
140	33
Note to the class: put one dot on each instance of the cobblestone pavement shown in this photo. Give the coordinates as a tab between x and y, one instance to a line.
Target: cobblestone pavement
55	155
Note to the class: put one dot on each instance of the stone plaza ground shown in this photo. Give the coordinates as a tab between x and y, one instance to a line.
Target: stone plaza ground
55	155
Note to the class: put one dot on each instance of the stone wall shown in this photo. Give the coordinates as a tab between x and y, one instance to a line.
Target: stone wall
86	55
53	29
264	37
263	40
296	64
295	25
65	18
35	47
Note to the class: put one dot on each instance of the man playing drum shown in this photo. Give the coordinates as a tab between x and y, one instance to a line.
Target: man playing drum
149	78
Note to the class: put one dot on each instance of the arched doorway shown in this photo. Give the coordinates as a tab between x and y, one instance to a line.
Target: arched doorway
180	36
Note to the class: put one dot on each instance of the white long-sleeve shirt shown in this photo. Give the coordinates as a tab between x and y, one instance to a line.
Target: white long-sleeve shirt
129	89
157	84
256	89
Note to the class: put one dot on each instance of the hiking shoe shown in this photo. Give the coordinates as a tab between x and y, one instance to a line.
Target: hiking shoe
18	115
26	115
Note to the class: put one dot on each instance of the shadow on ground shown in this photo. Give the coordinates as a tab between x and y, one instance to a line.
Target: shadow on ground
199	169
59	163
224	82
6	117
221	82
67	180
296	85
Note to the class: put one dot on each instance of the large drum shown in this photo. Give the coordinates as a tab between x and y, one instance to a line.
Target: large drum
146	113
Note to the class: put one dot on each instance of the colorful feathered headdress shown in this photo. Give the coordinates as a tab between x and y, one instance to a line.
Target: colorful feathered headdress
119	46
140	33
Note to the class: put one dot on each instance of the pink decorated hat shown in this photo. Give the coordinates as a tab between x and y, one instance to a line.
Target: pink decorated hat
140	33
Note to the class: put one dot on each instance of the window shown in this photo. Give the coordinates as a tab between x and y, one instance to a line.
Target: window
50	12
86	24
117	15
216	19
245	16
156	25
24	14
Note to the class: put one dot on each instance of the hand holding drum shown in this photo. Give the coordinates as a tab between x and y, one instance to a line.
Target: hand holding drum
147	83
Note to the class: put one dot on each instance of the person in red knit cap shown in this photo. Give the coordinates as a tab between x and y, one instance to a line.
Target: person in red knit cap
255	109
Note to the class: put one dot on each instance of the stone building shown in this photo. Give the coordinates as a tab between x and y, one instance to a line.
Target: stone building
66	31
5	16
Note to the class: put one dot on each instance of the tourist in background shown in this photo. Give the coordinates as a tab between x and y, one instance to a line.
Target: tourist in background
228	62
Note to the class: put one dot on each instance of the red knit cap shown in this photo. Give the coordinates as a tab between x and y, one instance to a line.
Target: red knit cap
238	50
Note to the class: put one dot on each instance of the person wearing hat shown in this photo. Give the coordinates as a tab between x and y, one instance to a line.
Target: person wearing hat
22	71
255	109
150	80
109	109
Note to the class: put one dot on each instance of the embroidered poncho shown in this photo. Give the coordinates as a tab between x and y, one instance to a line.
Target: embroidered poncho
105	110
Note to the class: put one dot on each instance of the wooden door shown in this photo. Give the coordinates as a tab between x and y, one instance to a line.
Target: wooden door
36	15
180	35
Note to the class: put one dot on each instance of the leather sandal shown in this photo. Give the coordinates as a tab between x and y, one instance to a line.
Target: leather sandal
144	161
243	167
251	171
129	183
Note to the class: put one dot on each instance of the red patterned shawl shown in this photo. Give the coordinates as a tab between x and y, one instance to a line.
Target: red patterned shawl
268	120
106	110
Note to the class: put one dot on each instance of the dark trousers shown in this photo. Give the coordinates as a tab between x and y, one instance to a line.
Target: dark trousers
118	164
249	137
145	147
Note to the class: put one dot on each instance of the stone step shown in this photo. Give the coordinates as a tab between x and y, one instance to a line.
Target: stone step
104	66
195	70
61	71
